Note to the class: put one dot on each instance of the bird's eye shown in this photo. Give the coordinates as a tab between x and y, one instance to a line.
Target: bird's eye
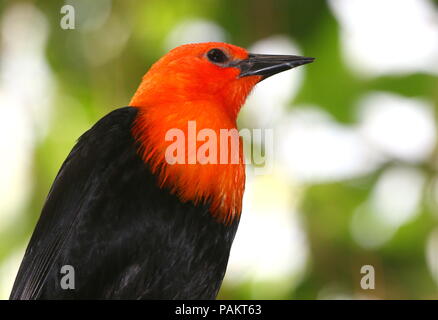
217	56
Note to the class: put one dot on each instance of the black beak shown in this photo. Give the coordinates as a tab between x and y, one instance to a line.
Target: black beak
266	65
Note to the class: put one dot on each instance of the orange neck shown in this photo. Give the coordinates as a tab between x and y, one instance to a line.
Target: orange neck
168	98
177	90
218	185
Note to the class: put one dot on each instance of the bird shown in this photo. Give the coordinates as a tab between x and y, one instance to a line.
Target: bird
131	223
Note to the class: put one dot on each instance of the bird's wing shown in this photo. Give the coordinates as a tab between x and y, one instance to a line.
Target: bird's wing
71	196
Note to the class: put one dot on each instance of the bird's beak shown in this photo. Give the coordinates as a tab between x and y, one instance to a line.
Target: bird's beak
266	65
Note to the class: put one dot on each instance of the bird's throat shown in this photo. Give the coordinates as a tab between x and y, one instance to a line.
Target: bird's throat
195	154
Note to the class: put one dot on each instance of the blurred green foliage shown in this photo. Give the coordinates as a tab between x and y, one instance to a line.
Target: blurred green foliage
85	91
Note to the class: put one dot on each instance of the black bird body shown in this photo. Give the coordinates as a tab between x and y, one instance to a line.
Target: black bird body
132	224
125	237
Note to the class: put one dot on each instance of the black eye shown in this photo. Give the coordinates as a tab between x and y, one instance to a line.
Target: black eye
217	56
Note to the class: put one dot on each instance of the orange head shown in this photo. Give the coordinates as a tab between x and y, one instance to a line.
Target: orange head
205	83
197	72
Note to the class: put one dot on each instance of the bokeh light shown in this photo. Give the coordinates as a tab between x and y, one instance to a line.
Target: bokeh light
389	36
